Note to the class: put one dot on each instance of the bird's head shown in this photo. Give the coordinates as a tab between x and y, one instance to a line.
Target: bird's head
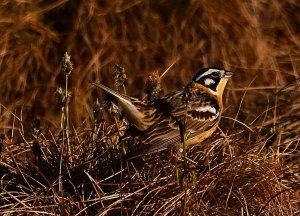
213	79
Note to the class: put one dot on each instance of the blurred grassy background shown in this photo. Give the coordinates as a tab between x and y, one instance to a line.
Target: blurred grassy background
256	171
259	40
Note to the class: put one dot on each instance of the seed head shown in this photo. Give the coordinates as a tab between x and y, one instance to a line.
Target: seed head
67	64
60	97
119	76
189	92
97	112
153	86
112	107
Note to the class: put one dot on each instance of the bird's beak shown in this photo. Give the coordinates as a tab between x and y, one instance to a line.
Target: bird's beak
228	74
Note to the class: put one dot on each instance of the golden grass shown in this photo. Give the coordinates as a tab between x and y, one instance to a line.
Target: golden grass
238	171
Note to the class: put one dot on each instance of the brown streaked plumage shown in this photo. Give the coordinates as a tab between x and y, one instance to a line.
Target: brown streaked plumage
158	122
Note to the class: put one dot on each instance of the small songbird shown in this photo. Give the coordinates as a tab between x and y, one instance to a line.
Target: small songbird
196	108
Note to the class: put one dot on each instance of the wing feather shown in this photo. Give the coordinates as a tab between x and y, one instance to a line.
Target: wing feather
160	136
202	115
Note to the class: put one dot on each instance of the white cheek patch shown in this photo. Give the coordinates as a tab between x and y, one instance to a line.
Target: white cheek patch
209	81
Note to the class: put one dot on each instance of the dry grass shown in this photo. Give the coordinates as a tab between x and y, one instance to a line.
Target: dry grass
250	166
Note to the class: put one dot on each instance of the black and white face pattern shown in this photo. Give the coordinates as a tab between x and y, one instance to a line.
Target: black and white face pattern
209	77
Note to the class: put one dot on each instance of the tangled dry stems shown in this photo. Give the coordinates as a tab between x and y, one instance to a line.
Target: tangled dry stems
236	172
231	173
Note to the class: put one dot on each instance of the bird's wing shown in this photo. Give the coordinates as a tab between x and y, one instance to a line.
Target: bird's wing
167	133
137	112
201	107
155	138
201	115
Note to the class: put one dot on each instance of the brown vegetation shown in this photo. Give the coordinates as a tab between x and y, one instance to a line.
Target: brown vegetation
250	166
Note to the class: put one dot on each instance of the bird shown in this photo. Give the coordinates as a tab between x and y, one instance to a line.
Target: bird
196	109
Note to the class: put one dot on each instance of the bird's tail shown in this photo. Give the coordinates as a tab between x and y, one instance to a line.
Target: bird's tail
133	114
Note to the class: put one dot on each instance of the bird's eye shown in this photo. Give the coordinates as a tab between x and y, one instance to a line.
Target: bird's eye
215	74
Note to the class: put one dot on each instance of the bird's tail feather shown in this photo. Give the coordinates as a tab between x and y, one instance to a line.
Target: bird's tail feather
118	95
134	115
